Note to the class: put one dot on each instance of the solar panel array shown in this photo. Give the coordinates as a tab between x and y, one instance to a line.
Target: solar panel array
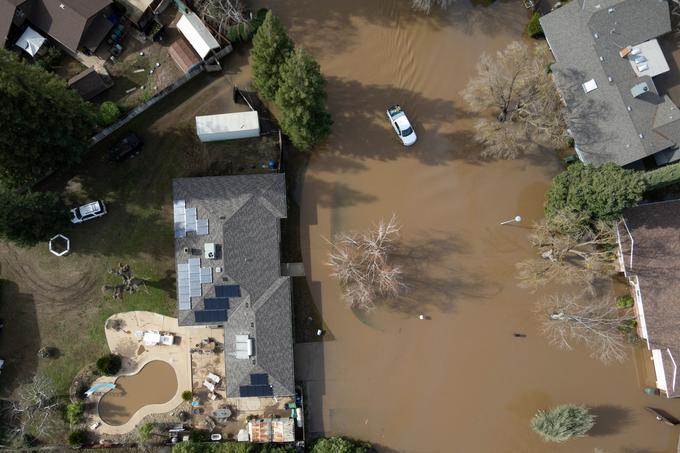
190	276
228	291
255	390
210	316
216	304
259	379
186	220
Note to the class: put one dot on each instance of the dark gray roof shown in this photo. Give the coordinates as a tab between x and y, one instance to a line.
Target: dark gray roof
7	8
244	214
88	83
607	123
655	228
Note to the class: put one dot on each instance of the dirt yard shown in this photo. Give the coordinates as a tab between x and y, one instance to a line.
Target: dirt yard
60	302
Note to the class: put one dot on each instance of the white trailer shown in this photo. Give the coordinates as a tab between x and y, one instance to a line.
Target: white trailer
228	126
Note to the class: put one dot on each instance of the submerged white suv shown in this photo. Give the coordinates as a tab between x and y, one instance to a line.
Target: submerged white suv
88	211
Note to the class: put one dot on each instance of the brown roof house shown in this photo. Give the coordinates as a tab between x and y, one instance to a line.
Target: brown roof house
75	24
649	246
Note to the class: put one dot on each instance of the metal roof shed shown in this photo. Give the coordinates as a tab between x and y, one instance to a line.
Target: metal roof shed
195	31
227	126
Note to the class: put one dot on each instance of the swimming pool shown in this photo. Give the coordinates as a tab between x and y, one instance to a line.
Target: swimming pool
155	383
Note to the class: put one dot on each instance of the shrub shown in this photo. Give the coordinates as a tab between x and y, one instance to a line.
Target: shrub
199	435
74	413
663	177
340	445
239	32
599	193
628	326
144	432
109	364
562	423
534	29
187	395
77	438
108	114
258	19
624	301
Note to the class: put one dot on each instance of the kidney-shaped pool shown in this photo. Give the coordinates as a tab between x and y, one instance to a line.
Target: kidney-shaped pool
155	383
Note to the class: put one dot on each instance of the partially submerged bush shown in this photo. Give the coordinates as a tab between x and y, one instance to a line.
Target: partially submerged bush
340	445
562	423
534	29
74	413
109	364
624	301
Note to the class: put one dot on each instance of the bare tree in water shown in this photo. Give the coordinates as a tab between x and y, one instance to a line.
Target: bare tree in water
361	263
34	411
597	323
221	14
426	5
516	98
569	251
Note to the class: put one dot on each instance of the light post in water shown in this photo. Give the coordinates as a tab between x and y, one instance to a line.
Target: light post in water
517	219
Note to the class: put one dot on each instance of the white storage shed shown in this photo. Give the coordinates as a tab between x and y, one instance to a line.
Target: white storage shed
198	35
228	126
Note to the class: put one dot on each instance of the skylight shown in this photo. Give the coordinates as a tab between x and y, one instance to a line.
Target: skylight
589	86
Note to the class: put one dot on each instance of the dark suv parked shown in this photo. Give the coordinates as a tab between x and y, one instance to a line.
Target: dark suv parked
130	146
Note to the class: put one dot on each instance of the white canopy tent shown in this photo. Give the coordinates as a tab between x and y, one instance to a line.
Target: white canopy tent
31	41
197	34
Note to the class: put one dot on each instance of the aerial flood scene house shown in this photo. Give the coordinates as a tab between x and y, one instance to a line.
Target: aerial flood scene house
340	226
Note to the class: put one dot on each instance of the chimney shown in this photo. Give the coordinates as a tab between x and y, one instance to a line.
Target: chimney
623	53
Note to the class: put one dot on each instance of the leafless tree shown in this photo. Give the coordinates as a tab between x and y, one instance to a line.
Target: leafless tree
597	323
675	18
516	98
568	251
130	284
34	411
220	14
361	263
426	5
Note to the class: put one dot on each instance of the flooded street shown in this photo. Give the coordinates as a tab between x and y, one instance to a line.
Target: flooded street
460	382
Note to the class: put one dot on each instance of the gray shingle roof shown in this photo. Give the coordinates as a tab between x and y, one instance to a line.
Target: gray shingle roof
244	214
655	228
607	123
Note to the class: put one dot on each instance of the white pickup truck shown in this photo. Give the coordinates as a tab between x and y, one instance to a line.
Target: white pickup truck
401	125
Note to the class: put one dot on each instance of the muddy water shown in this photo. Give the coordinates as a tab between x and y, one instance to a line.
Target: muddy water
460	382
156	383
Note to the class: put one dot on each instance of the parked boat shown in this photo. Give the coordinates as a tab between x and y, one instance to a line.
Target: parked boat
662	416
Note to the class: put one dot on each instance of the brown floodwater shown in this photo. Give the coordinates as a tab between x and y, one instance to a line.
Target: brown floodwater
459	382
155	383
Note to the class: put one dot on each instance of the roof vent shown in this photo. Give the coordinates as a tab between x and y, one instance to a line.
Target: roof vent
596	35
601	58
610	79
589	86
641	135
639	89
62	6
628	108
210	250
610	10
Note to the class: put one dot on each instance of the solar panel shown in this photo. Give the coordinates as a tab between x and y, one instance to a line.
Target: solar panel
255	390
202	227
228	291
259	379
213	316
216	304
206	275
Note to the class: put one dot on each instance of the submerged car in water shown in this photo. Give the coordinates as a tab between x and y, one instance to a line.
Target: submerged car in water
401	125
88	211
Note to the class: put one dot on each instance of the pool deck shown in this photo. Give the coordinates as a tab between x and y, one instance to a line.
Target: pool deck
135	355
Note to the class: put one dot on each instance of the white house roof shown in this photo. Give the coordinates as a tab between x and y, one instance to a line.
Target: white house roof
198	35
649	59
31	41
227	122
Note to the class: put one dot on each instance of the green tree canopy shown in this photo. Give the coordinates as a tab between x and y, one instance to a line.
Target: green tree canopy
31	217
44	124
74	413
562	423
302	100
271	46
600	193
340	445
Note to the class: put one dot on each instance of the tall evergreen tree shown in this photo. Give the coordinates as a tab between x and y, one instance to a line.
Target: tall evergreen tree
31	217
302	100
271	46
44	124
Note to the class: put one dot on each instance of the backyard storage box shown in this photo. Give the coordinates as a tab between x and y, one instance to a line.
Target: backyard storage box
228	126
